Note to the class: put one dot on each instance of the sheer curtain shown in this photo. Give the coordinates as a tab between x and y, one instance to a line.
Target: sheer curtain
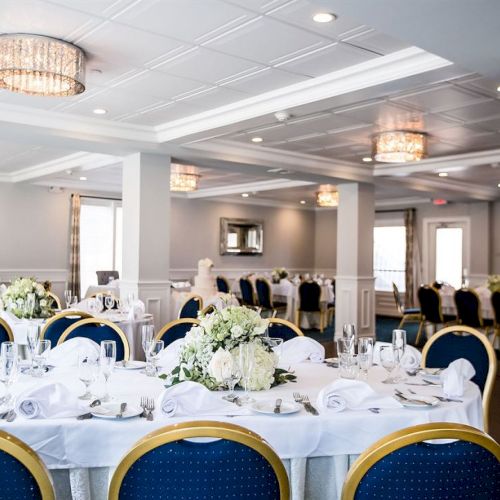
74	256
412	260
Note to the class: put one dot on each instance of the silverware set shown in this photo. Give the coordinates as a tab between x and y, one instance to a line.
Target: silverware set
9	416
304	401
441	398
148	406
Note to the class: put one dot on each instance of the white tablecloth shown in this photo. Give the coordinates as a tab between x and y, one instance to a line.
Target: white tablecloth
317	450
448	302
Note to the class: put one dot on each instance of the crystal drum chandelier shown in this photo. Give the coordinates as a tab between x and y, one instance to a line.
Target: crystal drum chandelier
184	178
41	65
399	146
327	196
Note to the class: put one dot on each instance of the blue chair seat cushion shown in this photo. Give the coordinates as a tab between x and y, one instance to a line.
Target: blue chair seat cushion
412	310
16	481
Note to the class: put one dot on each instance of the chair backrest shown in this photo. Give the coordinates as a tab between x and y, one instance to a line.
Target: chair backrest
103	276
264	294
447	345
222	284
23	474
430	304
55	326
404	465
208	310
191	307
55	300
176	330
397	298
495	302
247	292
309	295
237	464
468	306
99	330
283	329
6	334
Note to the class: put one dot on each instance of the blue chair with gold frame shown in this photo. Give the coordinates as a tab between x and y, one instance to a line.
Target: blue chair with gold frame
98	330
236	463
283	329
247	293
23	474
222	284
310	302
265	298
55	301
459	341
176	330
469	312
495	303
191	308
407	313
6	334
405	465
57	324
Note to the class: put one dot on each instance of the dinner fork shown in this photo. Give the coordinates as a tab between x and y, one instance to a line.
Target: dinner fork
144	413
304	401
150	406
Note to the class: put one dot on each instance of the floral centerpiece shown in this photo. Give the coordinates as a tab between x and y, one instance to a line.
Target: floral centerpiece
494	283
279	273
26	298
210	351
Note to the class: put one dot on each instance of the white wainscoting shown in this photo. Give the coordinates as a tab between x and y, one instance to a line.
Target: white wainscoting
385	304
58	277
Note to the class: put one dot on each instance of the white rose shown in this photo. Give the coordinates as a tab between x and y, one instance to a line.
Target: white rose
236	331
221	365
43	303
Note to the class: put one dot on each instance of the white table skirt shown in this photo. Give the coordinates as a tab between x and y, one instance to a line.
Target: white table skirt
448	302
311	444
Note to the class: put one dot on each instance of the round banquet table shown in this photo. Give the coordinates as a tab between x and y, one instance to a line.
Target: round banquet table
317	450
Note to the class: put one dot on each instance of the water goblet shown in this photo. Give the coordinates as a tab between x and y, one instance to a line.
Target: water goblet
30	304
388	362
153	349
8	367
67	298
398	347
33	337
349	333
74	302
365	355
230	382
109	302
147	334
41	354
100	302
246	360
88	367
275	344
107	361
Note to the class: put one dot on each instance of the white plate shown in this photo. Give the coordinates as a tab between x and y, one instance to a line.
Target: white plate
110	410
130	365
410	404
267	407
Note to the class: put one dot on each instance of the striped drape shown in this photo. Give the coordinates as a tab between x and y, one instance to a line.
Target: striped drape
410	259
74	256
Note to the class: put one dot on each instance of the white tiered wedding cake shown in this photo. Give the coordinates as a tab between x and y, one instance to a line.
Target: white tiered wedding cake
204	281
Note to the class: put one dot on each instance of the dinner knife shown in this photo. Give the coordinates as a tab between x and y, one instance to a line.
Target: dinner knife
310	408
277	406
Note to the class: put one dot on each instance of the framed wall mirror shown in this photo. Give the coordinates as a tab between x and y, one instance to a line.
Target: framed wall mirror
241	236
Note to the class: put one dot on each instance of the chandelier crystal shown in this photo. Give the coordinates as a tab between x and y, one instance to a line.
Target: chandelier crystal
327	196
184	182
41	65
399	146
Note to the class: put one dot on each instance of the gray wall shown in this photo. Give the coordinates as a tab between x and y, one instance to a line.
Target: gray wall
494	231
325	237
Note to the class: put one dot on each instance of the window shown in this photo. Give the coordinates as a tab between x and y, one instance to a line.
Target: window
389	257
100	239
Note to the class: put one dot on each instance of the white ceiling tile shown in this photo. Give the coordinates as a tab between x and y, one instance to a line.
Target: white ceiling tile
385	114
326	60
492	124
169	112
215	97
483	85
266	40
378	42
189	20
208	64
265	81
475	112
260	6
39	102
104	8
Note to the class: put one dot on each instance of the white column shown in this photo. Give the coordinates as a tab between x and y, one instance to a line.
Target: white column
146	232
354	286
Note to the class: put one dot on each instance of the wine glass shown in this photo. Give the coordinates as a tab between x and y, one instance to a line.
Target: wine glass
109	302
153	349
74	302
349	333
67	298
87	372
365	355
8	367
388	362
33	337
398	347
147	334
246	359
275	344
100	302
41	354
107	361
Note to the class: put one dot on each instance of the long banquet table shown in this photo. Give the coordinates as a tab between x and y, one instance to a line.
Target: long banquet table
317	450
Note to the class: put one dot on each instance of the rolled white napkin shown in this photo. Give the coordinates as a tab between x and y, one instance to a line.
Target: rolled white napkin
168	358
301	349
191	398
137	310
352	395
455	376
49	401
68	352
411	358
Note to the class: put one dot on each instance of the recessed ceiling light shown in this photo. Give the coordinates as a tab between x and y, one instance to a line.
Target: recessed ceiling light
324	17
302	202
257	139
69	172
99	111
498	184
443	174
245	195
367	159
498	88
83	178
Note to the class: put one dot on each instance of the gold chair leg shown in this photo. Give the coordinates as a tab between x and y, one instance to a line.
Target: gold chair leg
419	333
321	321
402	322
